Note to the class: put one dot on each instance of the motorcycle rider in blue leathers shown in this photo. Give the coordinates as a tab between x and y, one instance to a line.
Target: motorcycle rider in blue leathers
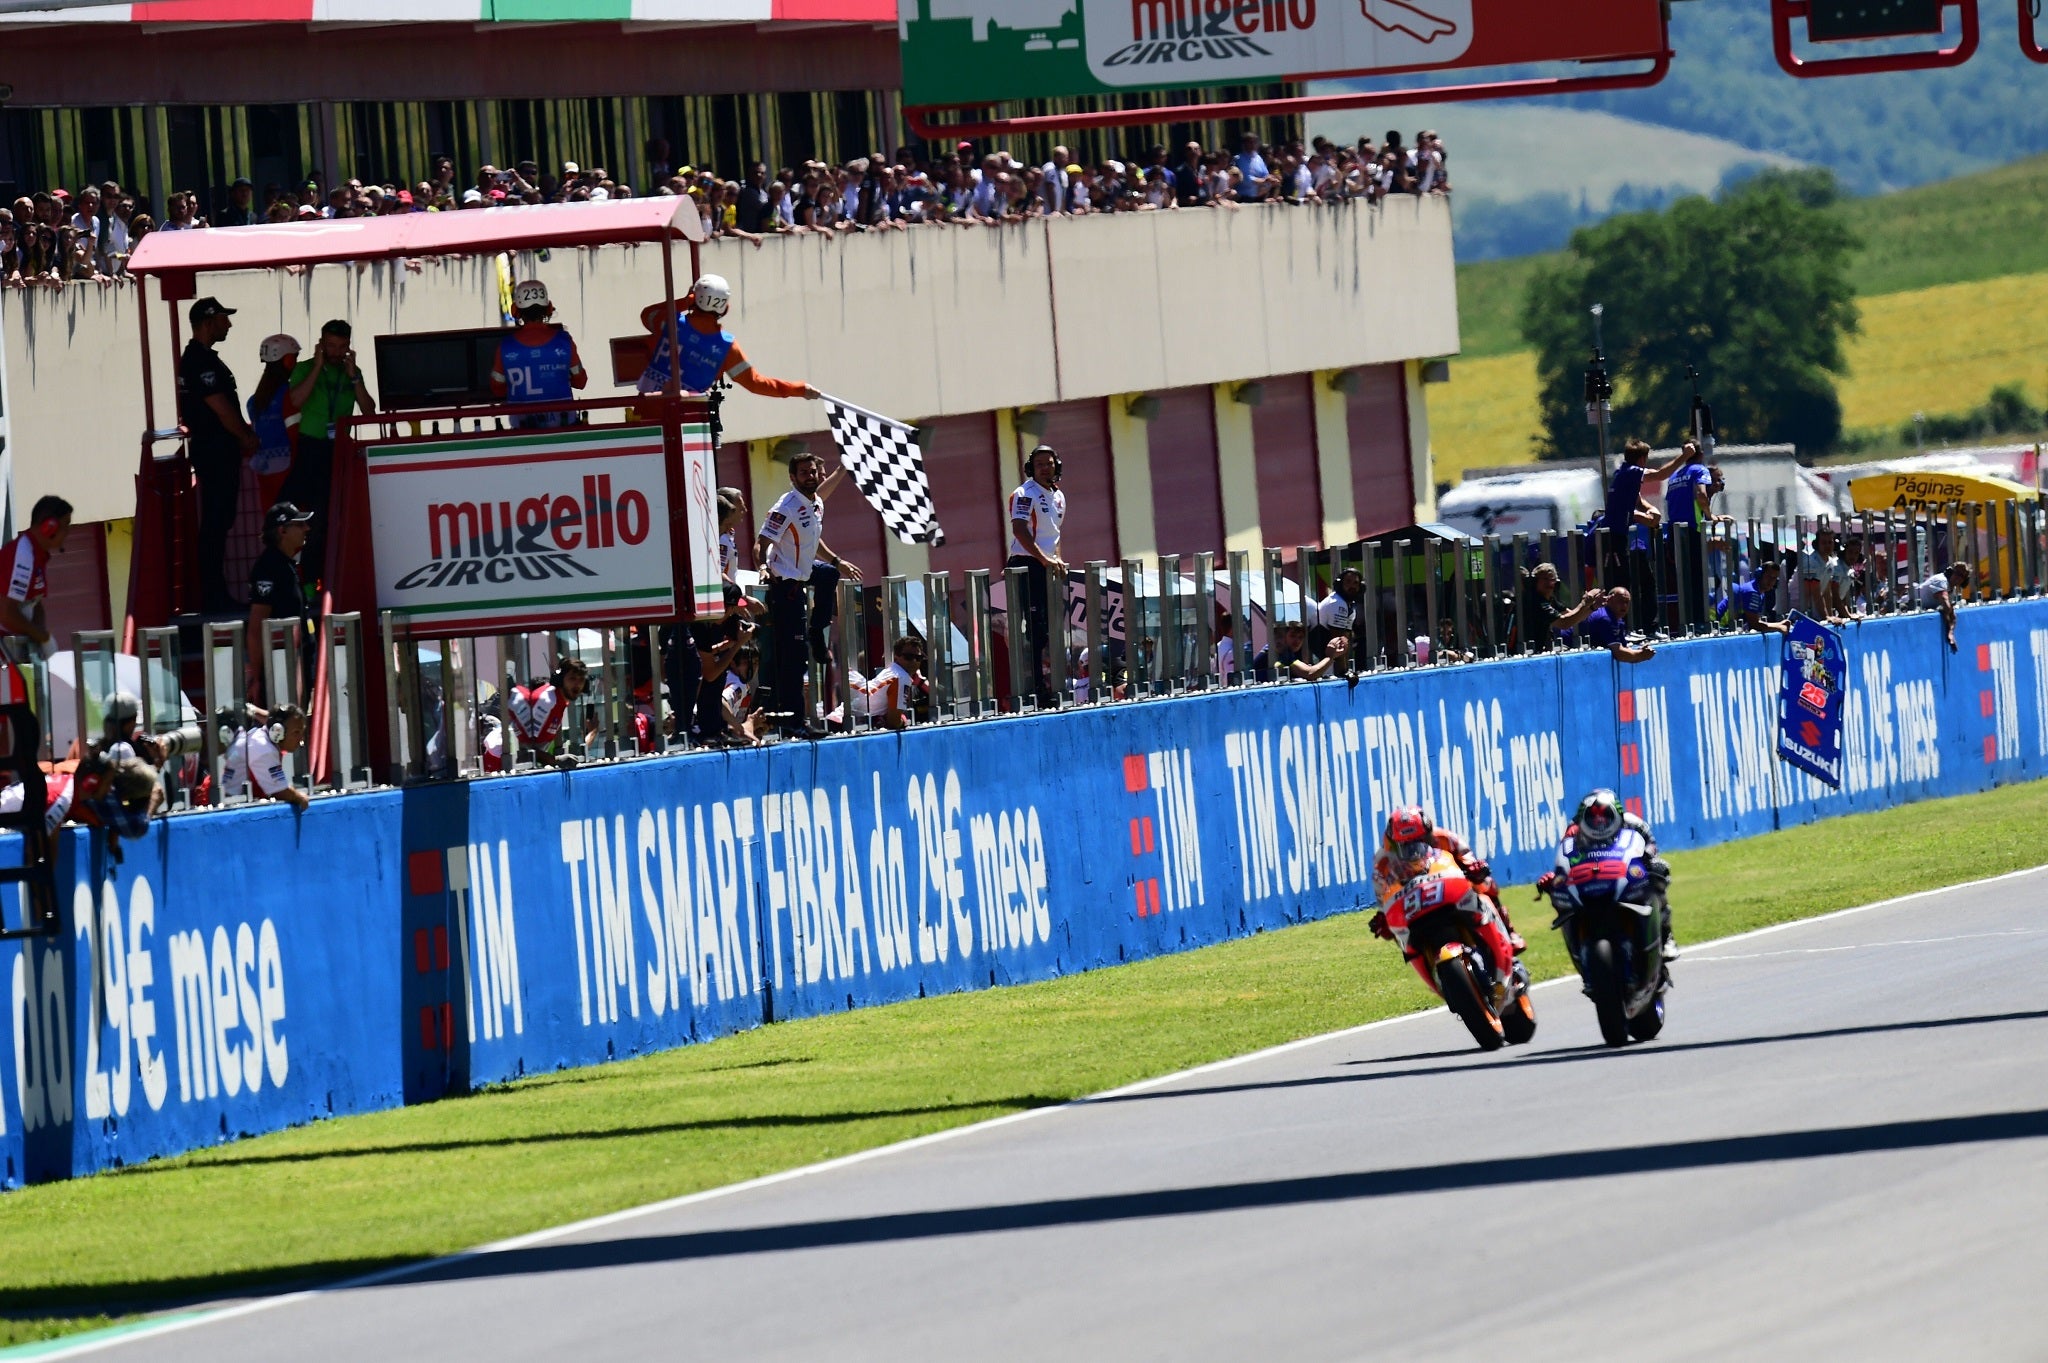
1598	821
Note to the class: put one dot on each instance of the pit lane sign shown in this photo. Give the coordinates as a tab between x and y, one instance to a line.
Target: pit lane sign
977	52
550	530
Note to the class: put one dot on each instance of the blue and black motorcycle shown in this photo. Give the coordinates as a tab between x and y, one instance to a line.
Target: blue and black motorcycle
1611	907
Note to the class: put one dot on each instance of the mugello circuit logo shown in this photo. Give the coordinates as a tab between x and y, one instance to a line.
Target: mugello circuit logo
535	539
1273	36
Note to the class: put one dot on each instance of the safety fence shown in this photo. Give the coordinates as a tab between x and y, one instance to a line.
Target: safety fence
257	968
1133	631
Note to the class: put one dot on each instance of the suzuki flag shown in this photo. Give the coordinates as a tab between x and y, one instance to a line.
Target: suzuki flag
552	530
888	468
1810	700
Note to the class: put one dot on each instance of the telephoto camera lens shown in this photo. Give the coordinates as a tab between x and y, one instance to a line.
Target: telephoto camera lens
180	741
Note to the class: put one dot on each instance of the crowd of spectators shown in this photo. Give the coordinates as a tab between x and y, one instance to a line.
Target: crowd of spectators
55	236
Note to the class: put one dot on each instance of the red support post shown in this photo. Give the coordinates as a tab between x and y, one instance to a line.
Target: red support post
2029	44
1783	12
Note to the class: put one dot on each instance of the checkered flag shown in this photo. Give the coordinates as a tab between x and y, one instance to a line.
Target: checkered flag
888	468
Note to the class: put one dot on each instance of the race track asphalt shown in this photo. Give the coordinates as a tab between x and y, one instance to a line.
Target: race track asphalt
1838	1150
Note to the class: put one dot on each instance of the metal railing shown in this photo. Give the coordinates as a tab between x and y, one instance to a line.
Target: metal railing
1118	633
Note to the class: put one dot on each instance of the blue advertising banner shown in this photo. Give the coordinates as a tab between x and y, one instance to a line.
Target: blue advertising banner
246	970
1810	700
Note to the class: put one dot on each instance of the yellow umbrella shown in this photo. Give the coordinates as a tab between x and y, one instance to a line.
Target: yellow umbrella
1918	491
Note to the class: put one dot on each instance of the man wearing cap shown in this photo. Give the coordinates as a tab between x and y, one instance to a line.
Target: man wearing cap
709	351
241	209
273	458
1037	511
275	590
537	362
218	440
326	392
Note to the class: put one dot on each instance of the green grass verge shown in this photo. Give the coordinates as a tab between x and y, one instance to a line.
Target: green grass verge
346	1196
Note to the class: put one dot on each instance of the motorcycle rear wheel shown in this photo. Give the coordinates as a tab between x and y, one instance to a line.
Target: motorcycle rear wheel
1518	1023
1609	991
1461	993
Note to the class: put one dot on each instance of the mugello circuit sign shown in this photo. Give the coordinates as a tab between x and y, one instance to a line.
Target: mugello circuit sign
546	530
972	52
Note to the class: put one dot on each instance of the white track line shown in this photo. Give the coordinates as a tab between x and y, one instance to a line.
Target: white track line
900	1147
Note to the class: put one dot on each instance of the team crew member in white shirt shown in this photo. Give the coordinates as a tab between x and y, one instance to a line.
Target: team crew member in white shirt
1038	509
889	698
536	711
789	546
255	760
1337	613
23	615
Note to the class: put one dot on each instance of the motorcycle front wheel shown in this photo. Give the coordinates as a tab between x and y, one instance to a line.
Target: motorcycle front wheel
1609	991
1518	1023
1461	992
1645	1025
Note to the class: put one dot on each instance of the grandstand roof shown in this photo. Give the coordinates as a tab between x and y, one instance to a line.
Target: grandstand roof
268	246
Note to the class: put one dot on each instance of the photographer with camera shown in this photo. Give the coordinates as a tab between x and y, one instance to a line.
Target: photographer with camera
255	759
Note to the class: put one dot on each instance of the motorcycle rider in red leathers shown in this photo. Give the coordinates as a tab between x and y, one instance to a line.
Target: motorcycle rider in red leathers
1414	845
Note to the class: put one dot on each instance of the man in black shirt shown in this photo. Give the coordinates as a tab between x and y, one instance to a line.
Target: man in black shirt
220	438
1542	616
750	211
275	592
1190	180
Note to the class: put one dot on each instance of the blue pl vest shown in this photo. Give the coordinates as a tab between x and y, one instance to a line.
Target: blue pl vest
703	356
539	373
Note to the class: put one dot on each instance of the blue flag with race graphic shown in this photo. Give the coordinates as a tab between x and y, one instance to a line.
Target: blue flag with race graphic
1810	700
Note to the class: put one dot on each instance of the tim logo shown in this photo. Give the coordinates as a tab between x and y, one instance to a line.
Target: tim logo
1165	839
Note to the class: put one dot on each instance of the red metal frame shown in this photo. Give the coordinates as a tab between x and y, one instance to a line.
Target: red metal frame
922	124
2029	44
1783	12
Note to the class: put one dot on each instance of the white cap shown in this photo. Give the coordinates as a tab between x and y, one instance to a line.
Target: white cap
472	196
712	294
275	348
529	293
571	168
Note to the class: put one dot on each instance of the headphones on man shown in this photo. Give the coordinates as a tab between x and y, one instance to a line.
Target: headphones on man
1032	458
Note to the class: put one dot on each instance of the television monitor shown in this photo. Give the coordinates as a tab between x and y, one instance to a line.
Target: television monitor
436	369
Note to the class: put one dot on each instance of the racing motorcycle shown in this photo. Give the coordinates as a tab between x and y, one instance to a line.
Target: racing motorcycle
1611	908
1436	918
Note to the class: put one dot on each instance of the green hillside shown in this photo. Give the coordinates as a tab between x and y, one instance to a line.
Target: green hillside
1974	227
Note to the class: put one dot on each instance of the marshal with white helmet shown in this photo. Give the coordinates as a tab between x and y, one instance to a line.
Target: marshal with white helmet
537	361
708	351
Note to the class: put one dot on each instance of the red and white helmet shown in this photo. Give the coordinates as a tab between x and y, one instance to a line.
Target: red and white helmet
1410	835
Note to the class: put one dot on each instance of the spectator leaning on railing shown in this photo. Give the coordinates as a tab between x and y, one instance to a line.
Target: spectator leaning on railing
255	759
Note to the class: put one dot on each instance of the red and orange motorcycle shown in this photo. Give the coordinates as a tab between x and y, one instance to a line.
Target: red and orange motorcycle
1454	936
